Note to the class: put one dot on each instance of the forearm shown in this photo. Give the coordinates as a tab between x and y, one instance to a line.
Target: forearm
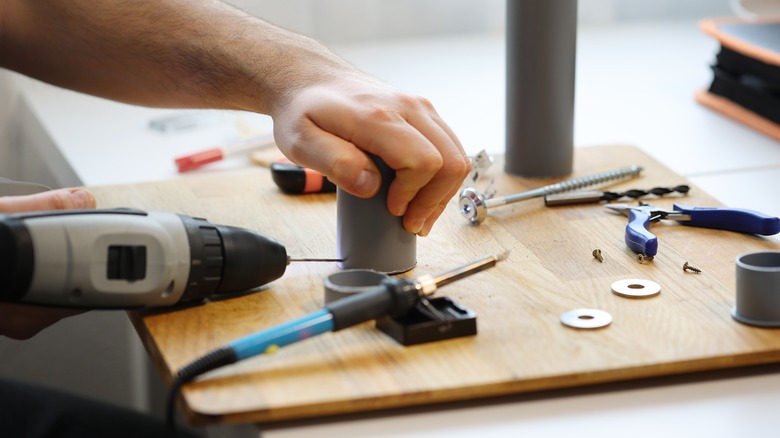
178	53
202	53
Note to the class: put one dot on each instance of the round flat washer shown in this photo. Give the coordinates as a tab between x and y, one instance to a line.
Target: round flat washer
586	318
636	288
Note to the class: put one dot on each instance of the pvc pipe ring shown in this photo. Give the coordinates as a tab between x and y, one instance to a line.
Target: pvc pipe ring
351	281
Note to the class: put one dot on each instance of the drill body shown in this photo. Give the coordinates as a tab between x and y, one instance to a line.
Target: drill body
124	258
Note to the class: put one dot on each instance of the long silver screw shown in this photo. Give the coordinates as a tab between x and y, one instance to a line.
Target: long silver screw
474	207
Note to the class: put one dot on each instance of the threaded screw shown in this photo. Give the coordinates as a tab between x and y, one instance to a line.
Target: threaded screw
643	258
689	268
598	256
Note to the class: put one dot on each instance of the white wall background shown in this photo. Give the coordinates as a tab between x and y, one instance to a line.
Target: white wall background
340	21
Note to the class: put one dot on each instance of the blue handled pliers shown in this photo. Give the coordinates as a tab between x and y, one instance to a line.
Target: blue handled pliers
639	239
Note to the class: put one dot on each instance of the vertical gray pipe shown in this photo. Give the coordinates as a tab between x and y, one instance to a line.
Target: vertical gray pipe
540	64
368	236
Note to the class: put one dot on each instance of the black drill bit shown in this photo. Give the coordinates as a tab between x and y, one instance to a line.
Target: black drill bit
597	196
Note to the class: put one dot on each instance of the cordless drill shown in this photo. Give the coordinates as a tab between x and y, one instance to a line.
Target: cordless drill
126	258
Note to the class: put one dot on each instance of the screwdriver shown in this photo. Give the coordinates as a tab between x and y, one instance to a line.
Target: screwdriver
198	159
294	179
393	297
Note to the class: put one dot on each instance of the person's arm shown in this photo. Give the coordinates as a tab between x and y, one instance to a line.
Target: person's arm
206	54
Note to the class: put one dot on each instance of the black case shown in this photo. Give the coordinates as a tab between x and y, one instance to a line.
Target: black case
746	75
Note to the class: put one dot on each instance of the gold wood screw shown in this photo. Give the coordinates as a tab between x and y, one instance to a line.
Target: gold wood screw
689	268
643	258
598	256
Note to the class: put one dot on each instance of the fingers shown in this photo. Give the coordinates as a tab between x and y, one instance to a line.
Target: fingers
405	131
339	160
431	199
61	199
429	161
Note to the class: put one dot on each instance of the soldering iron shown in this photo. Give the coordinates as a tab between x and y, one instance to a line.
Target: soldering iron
393	297
126	258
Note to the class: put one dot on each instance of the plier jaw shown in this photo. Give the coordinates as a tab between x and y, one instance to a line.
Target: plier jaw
656	214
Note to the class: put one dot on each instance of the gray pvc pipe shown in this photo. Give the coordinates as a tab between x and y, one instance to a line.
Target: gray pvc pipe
540	66
758	289
368	236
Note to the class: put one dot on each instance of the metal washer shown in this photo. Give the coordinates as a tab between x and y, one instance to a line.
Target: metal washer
586	318
636	288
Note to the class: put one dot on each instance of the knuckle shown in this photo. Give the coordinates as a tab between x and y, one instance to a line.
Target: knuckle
60	200
416	102
344	168
381	114
430	163
294	144
460	168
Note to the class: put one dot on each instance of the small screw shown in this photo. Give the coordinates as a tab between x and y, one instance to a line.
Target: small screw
689	268
598	256
643	258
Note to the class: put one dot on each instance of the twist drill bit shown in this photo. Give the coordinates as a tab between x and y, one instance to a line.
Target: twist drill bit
597	196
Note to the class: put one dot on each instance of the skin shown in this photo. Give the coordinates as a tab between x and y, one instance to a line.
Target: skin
22	321
205	54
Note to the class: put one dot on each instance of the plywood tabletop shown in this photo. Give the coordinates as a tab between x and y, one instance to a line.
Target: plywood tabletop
520	347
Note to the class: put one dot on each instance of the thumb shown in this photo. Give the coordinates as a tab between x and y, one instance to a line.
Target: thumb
61	199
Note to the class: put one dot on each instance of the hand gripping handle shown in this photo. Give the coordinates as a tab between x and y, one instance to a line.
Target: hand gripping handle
638	238
731	219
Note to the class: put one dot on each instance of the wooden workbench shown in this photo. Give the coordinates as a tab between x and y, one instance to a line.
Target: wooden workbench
521	345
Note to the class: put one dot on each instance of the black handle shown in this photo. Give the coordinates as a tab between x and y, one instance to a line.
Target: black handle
296	180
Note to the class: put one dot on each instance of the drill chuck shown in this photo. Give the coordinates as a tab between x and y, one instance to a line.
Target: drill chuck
121	258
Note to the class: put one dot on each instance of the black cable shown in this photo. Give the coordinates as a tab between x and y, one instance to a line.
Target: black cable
210	361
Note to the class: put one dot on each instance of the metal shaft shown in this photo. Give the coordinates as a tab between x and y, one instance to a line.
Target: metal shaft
428	285
303	259
474	206
565	186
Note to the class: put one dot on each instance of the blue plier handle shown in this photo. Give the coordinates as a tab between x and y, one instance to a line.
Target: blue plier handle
730	219
639	239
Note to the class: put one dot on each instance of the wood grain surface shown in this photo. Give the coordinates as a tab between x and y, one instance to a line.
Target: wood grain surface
520	347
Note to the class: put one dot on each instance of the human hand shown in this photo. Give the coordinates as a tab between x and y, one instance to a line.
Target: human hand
23	321
62	199
331	126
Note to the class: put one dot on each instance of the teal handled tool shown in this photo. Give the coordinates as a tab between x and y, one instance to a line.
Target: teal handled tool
640	240
393	297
